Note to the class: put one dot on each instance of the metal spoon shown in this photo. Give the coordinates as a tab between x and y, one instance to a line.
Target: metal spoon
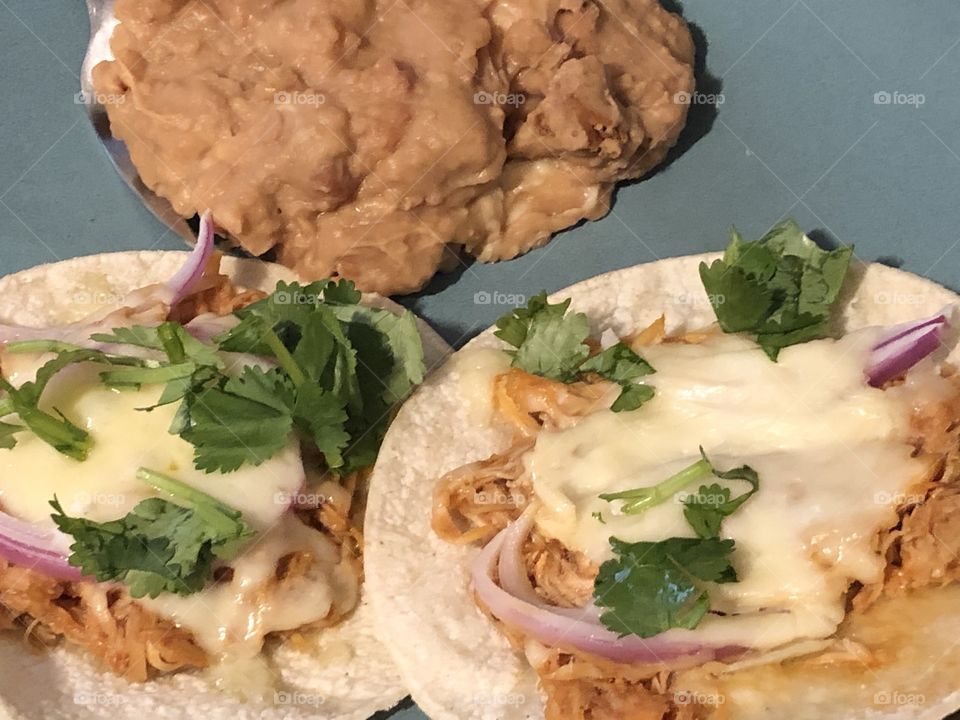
102	23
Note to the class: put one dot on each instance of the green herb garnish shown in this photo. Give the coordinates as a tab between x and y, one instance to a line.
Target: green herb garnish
780	288
161	545
704	511
548	342
641	499
651	587
620	364
551	343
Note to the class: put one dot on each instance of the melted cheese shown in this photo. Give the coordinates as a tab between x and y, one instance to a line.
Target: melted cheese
105	487
476	369
236	615
829	450
229	616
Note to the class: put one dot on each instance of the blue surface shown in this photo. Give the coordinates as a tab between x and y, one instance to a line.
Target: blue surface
799	133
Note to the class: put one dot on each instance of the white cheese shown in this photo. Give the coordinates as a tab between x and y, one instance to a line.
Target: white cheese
476	369
105	487
829	449
234	616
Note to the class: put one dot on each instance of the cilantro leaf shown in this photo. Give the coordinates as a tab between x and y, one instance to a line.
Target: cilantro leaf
322	417
554	347
159	546
651	587
551	343
513	327
349	364
620	364
392	337
58	432
246	421
780	288
632	396
706	510
8	433
548	342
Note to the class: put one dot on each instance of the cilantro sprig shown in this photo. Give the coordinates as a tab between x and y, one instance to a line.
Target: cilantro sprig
55	428
343	367
550	342
161	545
651	587
706	509
780	288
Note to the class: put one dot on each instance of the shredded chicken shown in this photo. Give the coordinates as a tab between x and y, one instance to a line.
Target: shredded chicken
530	402
101	618
476	501
923	548
578	687
560	576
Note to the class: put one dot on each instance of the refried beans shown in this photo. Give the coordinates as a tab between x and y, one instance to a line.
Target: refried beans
368	138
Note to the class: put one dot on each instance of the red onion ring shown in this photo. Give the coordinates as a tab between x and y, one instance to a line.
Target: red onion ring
37	547
545	624
904	347
512	571
187	276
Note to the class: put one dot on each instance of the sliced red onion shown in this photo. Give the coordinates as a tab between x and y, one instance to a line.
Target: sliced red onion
512	570
552	628
79	333
207	326
904	346
36	547
186	277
